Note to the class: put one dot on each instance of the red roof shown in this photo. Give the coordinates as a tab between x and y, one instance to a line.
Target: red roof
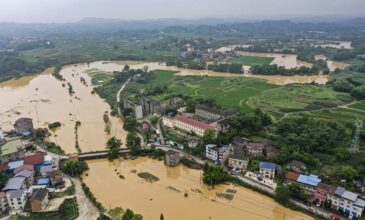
192	122
292	176
34	159
24	167
3	167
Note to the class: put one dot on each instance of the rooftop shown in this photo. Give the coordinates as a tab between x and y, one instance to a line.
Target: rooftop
14	183
223	149
171	153
43	181
34	159
342	192
311	180
192	122
24	173
360	203
24	167
21	120
11	147
292	176
46	169
327	188
14	194
15	164
267	165
208	109
297	163
256	145
39	194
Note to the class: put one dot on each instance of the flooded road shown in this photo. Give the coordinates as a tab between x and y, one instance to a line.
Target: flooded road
167	195
46	99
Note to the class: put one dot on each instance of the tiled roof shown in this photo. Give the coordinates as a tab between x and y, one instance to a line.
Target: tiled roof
14	183
24	173
39	194
267	165
311	180
4	167
24	167
15	193
327	188
34	159
192	122
292	176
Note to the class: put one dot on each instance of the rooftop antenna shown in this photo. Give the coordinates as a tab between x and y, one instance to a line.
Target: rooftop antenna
355	144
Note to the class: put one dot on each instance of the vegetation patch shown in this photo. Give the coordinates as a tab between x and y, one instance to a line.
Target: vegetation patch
252	60
149	177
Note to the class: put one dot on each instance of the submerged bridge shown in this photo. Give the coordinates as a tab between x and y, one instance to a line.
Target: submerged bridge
92	155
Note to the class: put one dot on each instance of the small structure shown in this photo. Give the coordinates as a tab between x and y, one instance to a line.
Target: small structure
39	200
23	125
172	158
28	175
4	206
16	200
12	150
255	149
43	181
297	166
193	142
240	141
291	177
237	160
308	183
267	169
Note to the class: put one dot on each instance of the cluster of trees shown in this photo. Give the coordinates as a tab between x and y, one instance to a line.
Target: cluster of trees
4	177
130	123
54	125
284	192
133	142
214	175
74	167
113	146
226	67
351	85
280	70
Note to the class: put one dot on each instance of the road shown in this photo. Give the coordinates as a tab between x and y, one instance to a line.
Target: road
87	210
159	128
118	96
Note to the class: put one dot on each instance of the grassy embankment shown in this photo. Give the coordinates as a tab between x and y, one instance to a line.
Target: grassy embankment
252	60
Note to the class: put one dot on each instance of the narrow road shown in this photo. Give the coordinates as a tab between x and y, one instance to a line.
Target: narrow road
158	126
118	96
87	210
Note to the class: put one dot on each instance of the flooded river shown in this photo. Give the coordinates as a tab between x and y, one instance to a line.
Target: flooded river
167	195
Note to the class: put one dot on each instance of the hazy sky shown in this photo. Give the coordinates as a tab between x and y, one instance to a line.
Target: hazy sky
74	10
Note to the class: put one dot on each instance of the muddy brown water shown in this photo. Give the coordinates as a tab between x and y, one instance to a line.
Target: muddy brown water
152	199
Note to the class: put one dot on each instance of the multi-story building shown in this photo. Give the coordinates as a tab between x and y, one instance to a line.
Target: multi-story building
267	169
28	175
223	154
137	110
23	125
172	158
151	106
237	159
193	142
4	206
211	152
207	112
322	191
12	150
39	200
255	149
16	200
347	202
187	124
2	137
15	183
297	166
308	183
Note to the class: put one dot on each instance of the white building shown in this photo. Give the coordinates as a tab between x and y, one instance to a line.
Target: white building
187	124
217	154
16	200
347	202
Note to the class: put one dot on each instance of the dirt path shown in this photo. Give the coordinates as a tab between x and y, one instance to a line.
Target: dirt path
87	210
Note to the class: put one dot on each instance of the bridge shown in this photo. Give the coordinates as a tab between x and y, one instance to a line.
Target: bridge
89	155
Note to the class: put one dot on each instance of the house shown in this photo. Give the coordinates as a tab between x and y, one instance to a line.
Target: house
15	183
151	106
39	200
4	206
137	109
211	152
237	159
271	152
46	171
193	142
223	125
56	178
36	160
347	202
291	177
24	167
12	150
267	169
23	125
240	141
189	125
205	111
145	126
13	165
308	183
172	158
322	191
255	149
297	166
223	154
177	103
28	175
43	181
16	200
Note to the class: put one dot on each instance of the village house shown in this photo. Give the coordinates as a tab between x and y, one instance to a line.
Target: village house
322	191
28	175
56	179
172	158
4	206
211	152
297	166
24	167
12	150
205	111
308	183
291	177
223	125
240	141
15	183
151	106
267	169
39	200
237	159
193	142
137	109
16	200
255	149
347	202
36	160
23	125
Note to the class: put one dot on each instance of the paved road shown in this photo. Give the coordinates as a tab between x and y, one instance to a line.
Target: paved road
159	128
87	210
118	96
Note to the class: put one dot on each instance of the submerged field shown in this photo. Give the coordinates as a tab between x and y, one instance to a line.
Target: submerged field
252	60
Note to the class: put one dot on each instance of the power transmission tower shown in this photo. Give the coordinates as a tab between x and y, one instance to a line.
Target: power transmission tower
355	144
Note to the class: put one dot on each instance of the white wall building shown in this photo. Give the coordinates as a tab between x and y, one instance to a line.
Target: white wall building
16	200
347	202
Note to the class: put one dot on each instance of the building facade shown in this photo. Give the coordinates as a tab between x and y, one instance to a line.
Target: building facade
39	200
187	124
255	149
137	110
207	112
267	169
347	202
16	200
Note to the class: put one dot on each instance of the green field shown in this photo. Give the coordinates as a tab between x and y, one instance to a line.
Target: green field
252	60
227	92
298	97
359	106
339	114
99	77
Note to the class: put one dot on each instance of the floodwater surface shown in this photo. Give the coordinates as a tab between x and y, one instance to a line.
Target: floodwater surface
167	195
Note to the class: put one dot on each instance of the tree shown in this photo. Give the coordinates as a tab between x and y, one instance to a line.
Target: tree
214	175
130	123
348	171
133	141
282	194
128	215
114	145
162	217
4	177
74	167
209	136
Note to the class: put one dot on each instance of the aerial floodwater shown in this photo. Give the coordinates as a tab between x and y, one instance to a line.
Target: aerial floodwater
178	194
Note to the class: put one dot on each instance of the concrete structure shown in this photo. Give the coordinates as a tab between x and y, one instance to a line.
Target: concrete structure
151	106
255	149
16	200
2	137
347	202
15	183
28	175
193	142
207	112
12	150
4	206
322	191
23	125
297	166
137	110
308	183
172	158
187	124
267	169
237	159
240	141
223	154
216	154
39	200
